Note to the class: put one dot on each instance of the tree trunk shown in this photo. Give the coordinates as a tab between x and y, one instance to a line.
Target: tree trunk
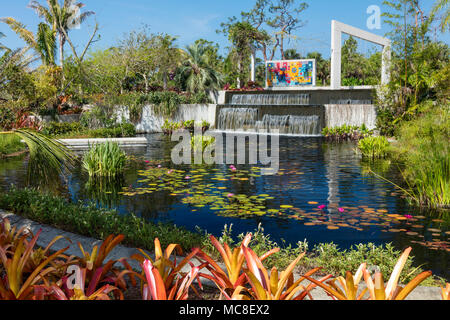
61	50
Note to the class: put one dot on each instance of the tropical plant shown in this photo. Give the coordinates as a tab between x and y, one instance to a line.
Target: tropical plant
234	276
155	288
10	236
47	156
376	288
98	272
18	284
274	287
167	268
104	160
61	18
199	75
201	142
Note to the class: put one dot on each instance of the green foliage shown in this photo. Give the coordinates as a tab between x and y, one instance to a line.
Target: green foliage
374	147
92	221
104	160
77	129
10	143
62	128
200	143
337	261
423	149
346	132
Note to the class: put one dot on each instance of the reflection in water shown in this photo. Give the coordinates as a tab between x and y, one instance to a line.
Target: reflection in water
312	173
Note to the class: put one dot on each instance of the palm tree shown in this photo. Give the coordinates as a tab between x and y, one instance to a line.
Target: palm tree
2	46
438	6
61	18
43	43
199	75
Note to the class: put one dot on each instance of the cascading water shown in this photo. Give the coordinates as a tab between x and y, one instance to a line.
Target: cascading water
246	119
270	99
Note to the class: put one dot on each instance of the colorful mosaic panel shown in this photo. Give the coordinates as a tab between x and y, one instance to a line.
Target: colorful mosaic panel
293	73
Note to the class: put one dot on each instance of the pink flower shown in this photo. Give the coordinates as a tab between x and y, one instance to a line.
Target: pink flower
341	210
169	172
187	177
321	207
146	161
233	168
159	166
407	216
230	195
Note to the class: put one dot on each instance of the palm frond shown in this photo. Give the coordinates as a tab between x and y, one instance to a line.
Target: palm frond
21	30
47	156
46	42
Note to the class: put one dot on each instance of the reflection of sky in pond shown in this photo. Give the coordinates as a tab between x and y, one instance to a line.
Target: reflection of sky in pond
312	173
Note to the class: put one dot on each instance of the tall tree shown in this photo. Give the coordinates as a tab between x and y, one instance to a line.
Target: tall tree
286	19
62	18
443	5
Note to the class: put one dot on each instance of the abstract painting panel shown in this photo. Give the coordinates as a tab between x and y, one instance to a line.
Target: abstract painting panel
290	73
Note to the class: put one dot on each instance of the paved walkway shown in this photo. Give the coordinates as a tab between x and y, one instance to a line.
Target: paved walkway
71	240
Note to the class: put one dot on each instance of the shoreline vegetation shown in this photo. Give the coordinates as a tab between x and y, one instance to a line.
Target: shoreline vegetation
99	223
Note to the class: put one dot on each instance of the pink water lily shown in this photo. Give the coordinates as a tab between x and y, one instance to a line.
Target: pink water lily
321	207
341	210
230	195
169	172
187	177
233	168
407	216
159	166
146	161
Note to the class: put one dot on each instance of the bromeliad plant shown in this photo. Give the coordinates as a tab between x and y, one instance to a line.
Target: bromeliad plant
234	277
155	288
18	282
169	271
274	286
376	287
99	272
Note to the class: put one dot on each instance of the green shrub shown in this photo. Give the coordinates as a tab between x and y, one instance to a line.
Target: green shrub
121	131
92	221
104	160
63	128
374	147
201	141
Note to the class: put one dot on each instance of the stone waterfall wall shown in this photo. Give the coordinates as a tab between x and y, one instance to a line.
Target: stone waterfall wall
337	115
152	123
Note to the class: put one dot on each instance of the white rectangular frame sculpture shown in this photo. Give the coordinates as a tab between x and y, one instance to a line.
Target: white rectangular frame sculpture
337	29
314	72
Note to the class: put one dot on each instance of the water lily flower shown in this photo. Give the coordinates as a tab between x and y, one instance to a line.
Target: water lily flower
230	195
233	168
407	216
169	172
146	161
321	207
187	177
159	166
341	210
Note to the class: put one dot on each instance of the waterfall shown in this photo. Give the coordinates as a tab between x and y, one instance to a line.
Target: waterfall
246	119
236	118
270	99
152	123
337	115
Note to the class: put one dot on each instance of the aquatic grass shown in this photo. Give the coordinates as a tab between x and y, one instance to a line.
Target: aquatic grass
374	147
105	160
422	151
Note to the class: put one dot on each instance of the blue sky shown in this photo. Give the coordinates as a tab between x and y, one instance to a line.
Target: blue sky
191	20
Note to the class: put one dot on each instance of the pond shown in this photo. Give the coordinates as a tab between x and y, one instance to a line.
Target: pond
355	207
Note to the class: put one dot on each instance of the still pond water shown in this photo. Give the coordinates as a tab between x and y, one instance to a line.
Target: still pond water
359	208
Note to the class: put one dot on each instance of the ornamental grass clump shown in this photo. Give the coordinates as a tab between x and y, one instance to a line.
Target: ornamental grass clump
374	147
105	160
